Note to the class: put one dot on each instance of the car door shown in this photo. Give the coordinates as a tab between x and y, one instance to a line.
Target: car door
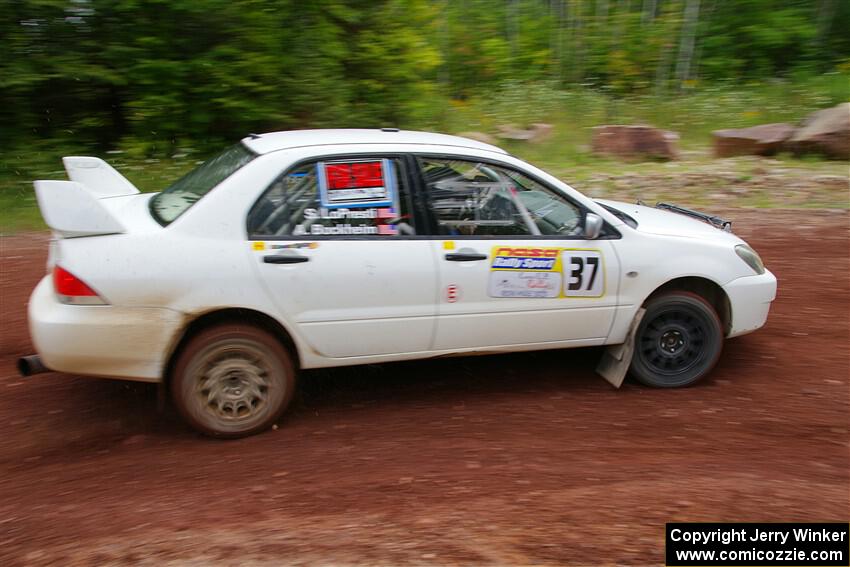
335	246
515	268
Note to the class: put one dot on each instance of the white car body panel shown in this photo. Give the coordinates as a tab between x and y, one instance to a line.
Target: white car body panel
102	340
356	297
477	319
750	297
657	221
355	301
362	138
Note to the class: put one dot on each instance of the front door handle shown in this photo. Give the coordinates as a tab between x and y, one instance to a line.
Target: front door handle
465	257
285	259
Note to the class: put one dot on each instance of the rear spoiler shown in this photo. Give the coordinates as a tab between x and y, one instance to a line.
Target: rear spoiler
72	208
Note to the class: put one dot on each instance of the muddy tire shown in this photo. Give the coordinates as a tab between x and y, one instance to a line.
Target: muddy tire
678	341
232	380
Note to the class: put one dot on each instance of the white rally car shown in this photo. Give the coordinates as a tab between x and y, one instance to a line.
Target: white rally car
310	249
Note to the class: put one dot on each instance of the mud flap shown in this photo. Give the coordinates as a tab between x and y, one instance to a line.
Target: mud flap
616	359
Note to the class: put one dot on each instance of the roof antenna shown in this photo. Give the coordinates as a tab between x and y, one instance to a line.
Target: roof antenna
389	129
253	136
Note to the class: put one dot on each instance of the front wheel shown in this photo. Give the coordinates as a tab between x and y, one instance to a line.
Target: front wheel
678	341
232	380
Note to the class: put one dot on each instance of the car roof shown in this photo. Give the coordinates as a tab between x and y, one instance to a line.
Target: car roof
275	141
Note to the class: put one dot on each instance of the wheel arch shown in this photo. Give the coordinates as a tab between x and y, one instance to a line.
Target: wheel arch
705	288
230	315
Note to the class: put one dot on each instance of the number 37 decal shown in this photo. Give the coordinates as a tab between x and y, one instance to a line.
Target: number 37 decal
584	273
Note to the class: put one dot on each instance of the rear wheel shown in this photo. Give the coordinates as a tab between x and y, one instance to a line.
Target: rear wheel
232	380
678	341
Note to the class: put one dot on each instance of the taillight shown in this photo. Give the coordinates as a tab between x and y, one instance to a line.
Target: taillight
72	289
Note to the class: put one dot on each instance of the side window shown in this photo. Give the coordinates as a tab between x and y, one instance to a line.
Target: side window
335	197
479	199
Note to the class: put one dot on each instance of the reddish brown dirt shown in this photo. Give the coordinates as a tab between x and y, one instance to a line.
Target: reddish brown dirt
511	459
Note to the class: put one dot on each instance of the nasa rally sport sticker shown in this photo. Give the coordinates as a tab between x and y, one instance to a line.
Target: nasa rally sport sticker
546	272
525	272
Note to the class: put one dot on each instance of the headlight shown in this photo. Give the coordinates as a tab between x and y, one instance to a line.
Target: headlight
750	256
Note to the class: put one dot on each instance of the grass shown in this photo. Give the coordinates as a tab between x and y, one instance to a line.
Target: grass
693	114
696	179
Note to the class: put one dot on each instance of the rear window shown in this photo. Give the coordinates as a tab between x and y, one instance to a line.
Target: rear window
186	191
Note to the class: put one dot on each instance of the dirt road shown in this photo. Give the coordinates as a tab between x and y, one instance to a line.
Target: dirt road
492	460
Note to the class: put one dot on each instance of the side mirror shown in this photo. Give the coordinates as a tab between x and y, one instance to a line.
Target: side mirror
592	226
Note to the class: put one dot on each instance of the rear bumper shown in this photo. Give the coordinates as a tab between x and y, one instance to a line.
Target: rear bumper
101	340
750	299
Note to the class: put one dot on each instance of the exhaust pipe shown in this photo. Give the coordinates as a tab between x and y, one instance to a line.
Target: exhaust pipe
30	365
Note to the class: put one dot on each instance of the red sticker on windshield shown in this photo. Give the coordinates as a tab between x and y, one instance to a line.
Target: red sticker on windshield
367	183
355	175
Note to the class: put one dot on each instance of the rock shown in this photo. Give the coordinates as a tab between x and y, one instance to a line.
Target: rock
534	134
763	140
511	132
837	180
478	137
643	142
825	132
540	132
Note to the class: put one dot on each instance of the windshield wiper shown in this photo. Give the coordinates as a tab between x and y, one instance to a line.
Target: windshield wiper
715	221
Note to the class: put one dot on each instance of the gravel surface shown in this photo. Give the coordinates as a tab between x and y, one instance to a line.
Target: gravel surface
512	459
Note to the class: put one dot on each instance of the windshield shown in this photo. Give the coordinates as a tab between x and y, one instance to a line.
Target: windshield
186	191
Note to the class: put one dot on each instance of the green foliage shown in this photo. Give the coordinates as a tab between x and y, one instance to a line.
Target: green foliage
155	77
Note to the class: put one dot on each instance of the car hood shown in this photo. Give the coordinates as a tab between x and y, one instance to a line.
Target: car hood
666	223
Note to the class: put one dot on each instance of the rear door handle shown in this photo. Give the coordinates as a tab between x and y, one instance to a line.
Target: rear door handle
285	259
465	257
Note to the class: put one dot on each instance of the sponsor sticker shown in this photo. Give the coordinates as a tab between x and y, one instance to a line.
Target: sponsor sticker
511	258
452	293
525	284
295	246
546	272
530	272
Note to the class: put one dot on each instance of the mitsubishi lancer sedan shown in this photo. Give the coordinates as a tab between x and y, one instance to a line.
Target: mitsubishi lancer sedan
323	248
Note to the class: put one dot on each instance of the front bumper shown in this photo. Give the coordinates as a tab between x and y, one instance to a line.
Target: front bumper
101	340
750	298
